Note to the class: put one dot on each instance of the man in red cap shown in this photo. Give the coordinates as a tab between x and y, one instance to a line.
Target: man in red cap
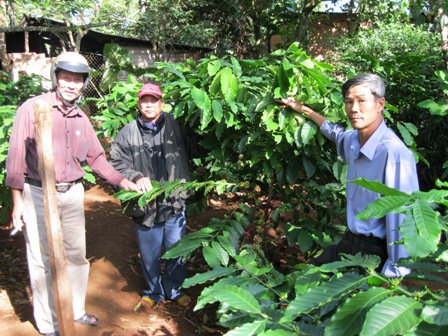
152	147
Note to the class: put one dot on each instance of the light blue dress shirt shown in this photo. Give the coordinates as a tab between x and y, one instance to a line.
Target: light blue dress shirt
384	157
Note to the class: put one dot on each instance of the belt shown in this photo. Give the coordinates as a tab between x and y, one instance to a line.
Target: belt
60	187
372	244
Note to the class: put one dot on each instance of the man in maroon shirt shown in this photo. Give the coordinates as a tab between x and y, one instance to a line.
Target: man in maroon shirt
74	143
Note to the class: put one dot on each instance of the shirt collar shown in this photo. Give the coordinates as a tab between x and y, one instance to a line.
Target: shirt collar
151	125
55	103
369	148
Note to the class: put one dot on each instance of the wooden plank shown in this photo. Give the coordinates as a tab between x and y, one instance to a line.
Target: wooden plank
61	285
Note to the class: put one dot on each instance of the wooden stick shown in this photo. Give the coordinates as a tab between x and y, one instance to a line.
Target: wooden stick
61	285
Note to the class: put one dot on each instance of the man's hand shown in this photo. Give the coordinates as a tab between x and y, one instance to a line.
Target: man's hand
299	107
291	103
144	184
125	184
18	212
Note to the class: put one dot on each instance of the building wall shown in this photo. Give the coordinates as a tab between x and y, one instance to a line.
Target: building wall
32	63
325	30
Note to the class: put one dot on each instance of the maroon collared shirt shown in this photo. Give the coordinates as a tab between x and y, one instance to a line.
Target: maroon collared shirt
74	142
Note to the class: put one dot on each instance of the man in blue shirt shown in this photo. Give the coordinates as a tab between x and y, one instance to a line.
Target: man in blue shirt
375	152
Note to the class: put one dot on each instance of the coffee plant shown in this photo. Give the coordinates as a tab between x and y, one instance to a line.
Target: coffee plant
291	181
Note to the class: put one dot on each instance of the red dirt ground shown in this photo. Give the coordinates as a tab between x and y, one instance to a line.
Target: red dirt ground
115	280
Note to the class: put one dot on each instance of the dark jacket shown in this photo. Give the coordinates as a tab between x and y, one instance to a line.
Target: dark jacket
130	157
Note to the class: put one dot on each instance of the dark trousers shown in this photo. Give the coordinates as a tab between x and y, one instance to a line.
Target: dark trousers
352	244
152	242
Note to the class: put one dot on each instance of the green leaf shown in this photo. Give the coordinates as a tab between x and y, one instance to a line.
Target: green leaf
305	282
426	329
309	129
392	316
405	134
215	86
220	254
238	299
435	315
248	329
305	240
318	296
229	84
202	101
307	63
183	248
205	296
349	319
213	67
378	187
214	274
433	195
271	125
236	66
382	206
229	245
421	231
210	256
411	128
298	138
368	261
282	80
434	107
217	110
309	167
275	332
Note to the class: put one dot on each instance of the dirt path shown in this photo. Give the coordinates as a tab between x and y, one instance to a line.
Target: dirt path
114	285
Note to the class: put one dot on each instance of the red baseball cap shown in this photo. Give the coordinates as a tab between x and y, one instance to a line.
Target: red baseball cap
151	90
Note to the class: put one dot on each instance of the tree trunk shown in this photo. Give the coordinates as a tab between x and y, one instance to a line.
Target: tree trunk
304	22
6	66
443	19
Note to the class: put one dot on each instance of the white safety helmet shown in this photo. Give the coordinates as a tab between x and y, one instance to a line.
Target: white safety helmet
73	62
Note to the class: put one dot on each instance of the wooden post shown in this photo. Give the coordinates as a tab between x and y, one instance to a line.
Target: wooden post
61	286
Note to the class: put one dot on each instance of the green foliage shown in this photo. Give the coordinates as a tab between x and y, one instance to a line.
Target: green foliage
277	156
250	141
438	108
118	108
15	93
334	299
182	23
423	224
12	94
117	60
7	114
168	188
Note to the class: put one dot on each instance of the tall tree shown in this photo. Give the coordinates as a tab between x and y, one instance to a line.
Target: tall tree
78	16
436	12
169	22
442	17
3	50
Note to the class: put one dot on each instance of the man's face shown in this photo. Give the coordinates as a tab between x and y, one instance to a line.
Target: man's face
70	84
363	110
150	107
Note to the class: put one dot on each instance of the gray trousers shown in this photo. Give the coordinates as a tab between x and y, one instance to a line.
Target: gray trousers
71	213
